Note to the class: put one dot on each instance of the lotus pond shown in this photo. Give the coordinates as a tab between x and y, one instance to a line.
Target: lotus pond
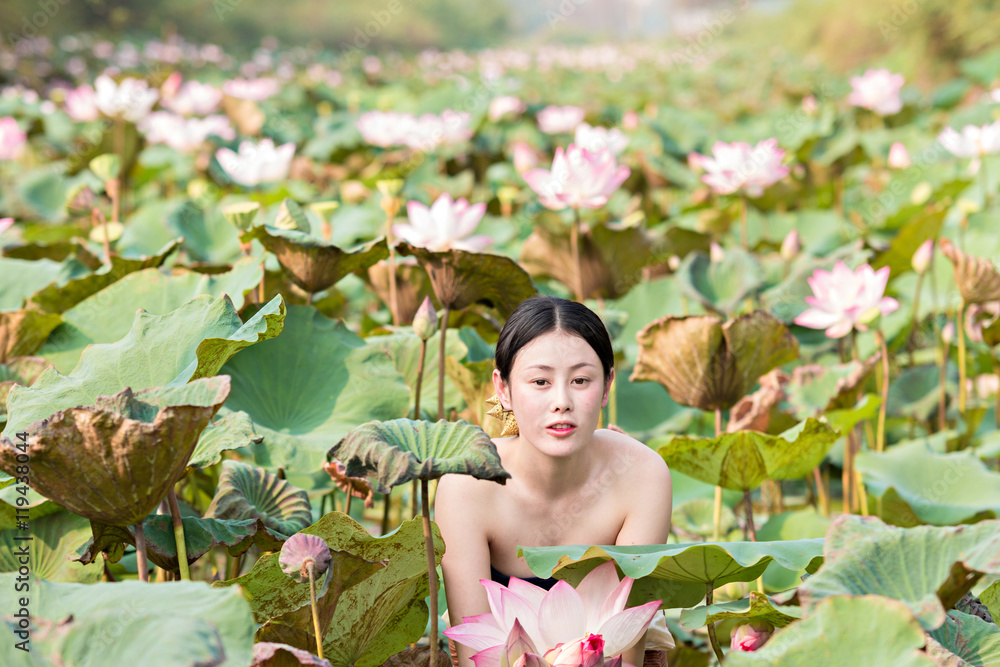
247	317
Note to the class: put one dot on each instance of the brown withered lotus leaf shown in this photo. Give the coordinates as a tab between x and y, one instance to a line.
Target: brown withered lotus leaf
359	487
271	654
816	388
248	492
981	323
708	363
412	285
462	278
56	251
23	331
977	278
753	412
416	655
116	460
611	259
311	263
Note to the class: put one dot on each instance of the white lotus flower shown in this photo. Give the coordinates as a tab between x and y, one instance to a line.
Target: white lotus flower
256	163
447	224
596	139
184	134
131	99
194	98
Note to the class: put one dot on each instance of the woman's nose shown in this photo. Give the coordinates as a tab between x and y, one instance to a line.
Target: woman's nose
561	400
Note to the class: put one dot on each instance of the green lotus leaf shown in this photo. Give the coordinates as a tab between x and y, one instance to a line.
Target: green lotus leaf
757	607
307	388
964	640
846	419
18	370
399	451
899	255
23	278
35	503
797	525
462	278
59	297
311	263
146	639
375	618
57	251
816	388
702	565
108	315
474	380
115	461
742	460
200	536
991	598
23	331
233	431
291	217
191	342
927	568
916	392
940	489
247	492
404	350
611	258
696	517
52	537
720	286
115	606
831	633
707	363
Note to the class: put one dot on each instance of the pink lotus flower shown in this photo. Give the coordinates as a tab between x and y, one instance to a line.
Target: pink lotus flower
257	90
556	618
554	120
600	138
750	636
899	157
844	299
878	90
740	167
5	224
385	128
12	139
81	103
506	105
578	178
184	134
432	131
973	142
446	225
525	157
630	120
256	163
194	98
585	652
130	99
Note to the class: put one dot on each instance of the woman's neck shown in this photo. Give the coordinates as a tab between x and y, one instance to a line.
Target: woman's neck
550	476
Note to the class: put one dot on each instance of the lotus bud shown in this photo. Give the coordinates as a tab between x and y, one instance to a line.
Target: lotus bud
301	550
353	192
525	157
630	120
899	157
922	257
241	214
106	167
791	246
751	636
674	262
425	322
948	333
5	224
716	253
809	105
171	84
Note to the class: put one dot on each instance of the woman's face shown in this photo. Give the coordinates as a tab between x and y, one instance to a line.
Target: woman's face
556	391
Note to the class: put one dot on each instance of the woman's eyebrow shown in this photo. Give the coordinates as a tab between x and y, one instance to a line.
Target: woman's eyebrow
543	367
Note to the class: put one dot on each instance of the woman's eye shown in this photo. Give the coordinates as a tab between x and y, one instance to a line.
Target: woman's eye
538	383
580	380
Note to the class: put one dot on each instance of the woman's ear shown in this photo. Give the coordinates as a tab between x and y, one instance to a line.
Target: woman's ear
501	389
607	387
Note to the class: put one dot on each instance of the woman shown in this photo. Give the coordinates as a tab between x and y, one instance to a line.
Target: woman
571	483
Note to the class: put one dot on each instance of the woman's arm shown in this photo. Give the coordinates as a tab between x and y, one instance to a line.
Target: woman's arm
459	513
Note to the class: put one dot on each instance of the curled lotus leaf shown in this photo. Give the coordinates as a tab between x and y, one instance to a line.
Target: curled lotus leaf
311	263
401	450
695	517
248	492
116	460
19	370
708	363
412	285
964	639
742	460
272	654
611	258
977	278
23	331
461	278
816	388
756	607
720	285
927	568
832	632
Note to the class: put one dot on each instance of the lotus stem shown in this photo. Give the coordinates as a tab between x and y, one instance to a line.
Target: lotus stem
613	402
748	506
309	298
393	298
914	317
235	565
712	638
420	379
996	398
142	563
574	245
175	515
824	499
260	288
96	217
960	333
717	509
942	381
744	233
444	331
987	198
860	493
347	504
119	194
311	567
385	513
431	570
884	385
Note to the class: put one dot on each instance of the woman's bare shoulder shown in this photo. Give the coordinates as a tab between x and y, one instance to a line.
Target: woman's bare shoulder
626	454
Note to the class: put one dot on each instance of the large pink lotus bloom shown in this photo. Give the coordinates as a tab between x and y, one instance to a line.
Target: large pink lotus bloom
446	225
555	120
740	167
81	103
194	98
256	163
251	89
130	99
878	90
750	636
12	139
600	138
579	179
844	299
554	618
505	105
184	134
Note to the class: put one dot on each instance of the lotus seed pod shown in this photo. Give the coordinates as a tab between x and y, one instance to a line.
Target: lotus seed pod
299	551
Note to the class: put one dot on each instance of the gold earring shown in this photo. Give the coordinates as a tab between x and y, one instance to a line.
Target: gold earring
508	425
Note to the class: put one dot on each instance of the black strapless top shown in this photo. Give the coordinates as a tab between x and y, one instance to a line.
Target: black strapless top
504	579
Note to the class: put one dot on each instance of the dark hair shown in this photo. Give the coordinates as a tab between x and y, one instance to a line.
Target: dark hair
541	314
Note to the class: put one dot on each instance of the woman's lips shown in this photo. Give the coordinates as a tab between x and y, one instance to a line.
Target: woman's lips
565	430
